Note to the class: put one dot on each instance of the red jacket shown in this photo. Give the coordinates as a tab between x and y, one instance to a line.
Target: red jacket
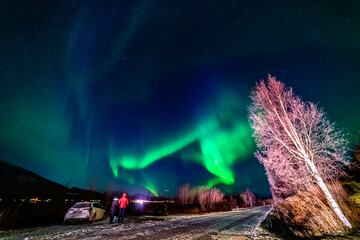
123	201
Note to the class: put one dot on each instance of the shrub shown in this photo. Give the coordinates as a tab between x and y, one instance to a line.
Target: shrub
309	213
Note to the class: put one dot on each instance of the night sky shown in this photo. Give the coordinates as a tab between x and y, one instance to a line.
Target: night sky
149	95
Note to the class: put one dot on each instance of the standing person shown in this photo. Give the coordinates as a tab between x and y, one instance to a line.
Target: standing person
123	202
113	208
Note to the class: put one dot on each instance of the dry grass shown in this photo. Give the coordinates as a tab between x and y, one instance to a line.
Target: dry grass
309	213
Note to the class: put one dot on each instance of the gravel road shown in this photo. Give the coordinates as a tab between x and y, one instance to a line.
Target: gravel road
225	225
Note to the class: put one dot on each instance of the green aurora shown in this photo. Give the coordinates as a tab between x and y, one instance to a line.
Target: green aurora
224	140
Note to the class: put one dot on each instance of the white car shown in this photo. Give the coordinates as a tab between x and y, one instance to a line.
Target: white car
90	211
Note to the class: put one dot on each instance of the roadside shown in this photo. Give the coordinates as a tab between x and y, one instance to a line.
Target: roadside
278	230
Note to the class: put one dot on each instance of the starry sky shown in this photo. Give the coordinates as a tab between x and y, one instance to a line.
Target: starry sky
146	96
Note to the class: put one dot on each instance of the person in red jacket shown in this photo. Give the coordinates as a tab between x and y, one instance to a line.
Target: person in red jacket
123	202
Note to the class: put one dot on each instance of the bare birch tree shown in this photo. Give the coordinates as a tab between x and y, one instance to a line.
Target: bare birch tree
208	197
202	197
183	194
298	145
192	195
248	198
186	194
215	196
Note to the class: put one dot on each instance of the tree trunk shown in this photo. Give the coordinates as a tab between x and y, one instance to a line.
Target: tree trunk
328	195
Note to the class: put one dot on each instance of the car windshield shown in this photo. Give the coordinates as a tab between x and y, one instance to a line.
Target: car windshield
81	205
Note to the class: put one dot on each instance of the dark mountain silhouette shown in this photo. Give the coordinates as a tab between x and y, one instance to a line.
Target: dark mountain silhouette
18	186
17	182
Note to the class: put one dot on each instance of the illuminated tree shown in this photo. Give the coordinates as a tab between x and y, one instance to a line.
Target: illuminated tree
298	145
215	196
208	197
248	198
202	197
183	194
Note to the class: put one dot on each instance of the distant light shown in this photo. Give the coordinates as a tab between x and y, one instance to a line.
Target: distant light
35	200
138	201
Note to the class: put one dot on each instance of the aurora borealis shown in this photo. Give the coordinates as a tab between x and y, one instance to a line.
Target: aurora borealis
147	96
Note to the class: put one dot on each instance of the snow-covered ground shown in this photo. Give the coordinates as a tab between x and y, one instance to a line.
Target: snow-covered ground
225	225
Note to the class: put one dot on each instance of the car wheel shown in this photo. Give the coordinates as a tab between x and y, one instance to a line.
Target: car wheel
93	218
104	216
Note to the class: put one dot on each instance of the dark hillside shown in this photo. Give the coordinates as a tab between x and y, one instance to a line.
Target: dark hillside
27	199
17	182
